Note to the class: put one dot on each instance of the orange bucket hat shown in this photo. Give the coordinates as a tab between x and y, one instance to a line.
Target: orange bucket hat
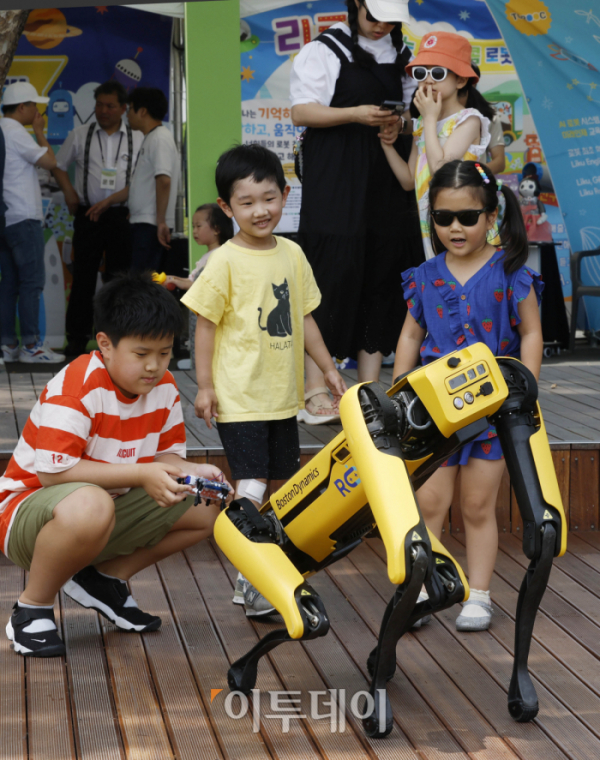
445	49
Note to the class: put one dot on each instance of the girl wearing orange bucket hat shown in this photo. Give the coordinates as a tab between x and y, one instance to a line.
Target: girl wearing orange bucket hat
445	130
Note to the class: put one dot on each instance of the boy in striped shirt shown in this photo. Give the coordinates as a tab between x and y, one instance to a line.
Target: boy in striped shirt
90	496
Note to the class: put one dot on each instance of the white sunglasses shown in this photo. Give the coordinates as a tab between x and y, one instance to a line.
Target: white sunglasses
420	73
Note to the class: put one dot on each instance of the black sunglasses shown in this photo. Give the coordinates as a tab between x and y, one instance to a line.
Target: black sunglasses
467	218
438	73
372	20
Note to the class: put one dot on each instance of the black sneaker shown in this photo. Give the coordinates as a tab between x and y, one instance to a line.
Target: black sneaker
108	596
43	644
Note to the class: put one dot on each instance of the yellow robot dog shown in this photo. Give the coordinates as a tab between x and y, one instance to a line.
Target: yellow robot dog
390	444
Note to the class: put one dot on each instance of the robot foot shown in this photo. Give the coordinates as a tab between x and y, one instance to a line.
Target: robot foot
522	698
241	676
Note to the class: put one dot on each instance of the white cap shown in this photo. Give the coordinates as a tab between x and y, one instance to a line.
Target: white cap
22	92
389	11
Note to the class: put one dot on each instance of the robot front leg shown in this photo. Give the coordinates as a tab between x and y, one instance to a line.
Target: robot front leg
250	541
370	419
525	446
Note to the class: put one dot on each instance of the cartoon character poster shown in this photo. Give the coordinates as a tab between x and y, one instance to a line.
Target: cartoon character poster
273	33
66	53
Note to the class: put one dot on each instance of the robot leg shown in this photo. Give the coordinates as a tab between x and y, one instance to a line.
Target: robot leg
525	446
370	420
250	541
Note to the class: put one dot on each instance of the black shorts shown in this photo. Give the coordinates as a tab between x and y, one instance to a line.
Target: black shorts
263	449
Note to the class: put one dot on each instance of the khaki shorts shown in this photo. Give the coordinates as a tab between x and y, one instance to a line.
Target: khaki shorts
139	522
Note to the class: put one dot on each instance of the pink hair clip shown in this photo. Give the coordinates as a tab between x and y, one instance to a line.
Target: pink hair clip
484	176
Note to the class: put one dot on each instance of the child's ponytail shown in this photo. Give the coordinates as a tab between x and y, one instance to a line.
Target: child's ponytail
513	235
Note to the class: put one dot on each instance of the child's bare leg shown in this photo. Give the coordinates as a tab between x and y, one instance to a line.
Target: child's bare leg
191	528
435	496
80	529
480	481
369	366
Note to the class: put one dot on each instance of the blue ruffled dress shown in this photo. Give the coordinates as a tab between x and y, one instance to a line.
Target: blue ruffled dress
484	310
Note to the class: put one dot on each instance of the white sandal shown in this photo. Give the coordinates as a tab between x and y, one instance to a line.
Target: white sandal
316	419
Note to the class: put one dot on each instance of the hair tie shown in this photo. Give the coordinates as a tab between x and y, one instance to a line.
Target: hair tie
498	185
484	176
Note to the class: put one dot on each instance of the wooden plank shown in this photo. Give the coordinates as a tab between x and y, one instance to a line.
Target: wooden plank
95	721
237	637
565	650
50	732
39	380
351	638
559	715
181	705
572	607
207	659
9	432
142	726
584	485
557	662
23	397
562	465
13	721
294	667
461	693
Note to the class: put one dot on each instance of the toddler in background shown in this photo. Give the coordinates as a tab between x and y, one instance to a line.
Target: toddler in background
210	227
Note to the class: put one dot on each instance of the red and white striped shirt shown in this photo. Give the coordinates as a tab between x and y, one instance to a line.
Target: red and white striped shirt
82	415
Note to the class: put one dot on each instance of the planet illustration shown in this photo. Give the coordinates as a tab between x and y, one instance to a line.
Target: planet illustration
47	27
128	72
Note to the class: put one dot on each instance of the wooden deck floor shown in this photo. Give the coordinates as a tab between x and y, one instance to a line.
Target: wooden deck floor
569	393
120	696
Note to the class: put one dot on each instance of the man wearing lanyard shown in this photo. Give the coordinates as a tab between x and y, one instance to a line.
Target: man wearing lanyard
104	152
153	191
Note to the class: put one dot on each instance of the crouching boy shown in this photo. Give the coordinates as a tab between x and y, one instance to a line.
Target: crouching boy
90	495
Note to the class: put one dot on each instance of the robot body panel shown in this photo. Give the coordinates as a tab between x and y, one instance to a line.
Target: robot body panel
325	493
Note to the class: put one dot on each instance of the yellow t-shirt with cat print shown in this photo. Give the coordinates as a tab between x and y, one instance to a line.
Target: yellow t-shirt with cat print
258	300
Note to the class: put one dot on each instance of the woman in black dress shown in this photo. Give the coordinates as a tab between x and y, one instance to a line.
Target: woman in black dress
358	228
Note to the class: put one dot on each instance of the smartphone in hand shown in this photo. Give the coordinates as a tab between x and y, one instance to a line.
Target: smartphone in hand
398	106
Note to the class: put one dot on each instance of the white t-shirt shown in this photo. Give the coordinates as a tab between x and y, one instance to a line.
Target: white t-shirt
158	155
316	68
116	154
22	192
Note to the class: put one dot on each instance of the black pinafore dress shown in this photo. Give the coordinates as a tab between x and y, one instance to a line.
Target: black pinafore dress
359	229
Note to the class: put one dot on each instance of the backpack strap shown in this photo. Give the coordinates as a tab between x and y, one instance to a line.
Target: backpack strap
327	38
130	153
86	162
3	206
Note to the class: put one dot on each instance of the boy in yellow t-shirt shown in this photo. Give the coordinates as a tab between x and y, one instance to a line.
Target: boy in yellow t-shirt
254	301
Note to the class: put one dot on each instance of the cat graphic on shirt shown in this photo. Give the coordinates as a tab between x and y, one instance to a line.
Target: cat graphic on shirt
279	320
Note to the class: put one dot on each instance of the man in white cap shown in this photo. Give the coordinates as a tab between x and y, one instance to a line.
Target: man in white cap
22	241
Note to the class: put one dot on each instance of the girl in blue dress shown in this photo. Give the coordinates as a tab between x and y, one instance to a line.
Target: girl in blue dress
471	292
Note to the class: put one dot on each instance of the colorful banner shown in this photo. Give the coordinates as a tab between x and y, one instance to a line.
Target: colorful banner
273	35
66	53
563	92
